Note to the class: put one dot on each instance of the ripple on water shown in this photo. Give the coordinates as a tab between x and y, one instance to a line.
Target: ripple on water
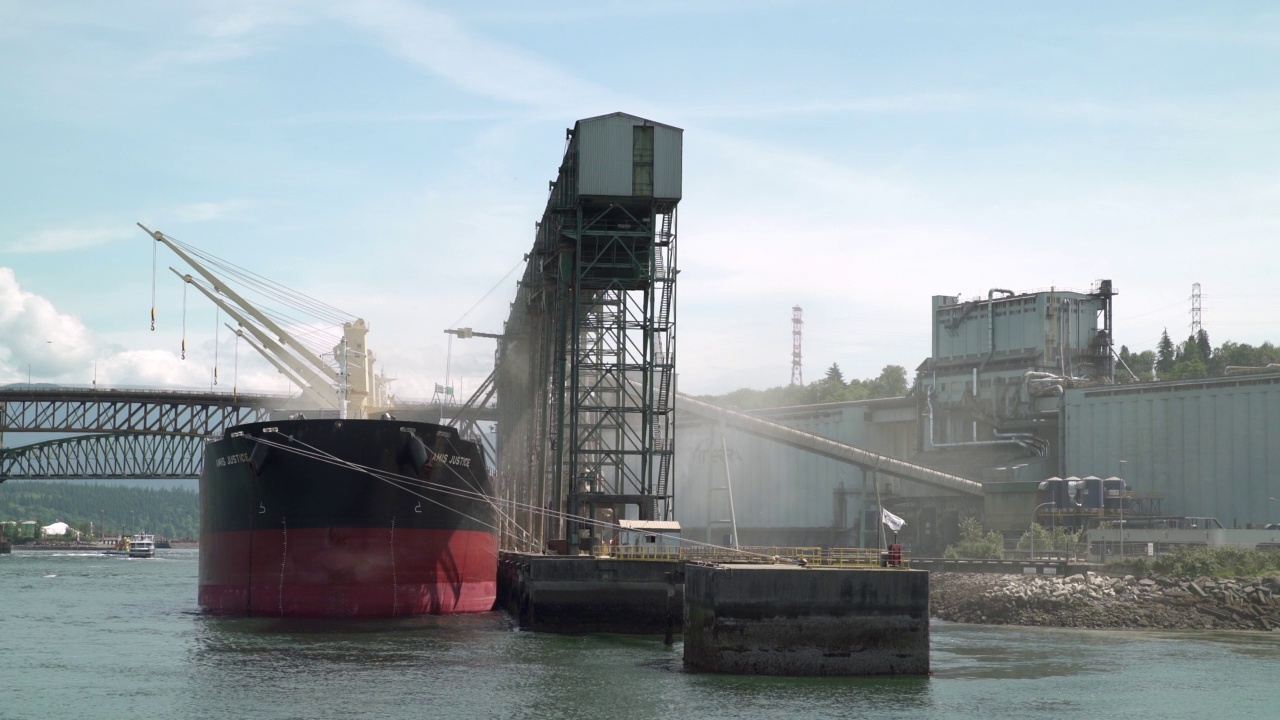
75	636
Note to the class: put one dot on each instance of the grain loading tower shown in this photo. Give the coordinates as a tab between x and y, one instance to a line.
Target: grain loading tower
586	365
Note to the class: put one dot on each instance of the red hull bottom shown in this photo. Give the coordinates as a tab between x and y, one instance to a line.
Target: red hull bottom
348	572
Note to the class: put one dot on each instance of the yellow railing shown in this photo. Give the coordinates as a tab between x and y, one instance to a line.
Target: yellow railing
640	552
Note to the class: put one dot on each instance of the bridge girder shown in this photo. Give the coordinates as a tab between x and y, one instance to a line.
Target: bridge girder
136	412
105	456
143	434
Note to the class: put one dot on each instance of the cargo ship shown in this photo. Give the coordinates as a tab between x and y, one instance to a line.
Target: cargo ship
346	518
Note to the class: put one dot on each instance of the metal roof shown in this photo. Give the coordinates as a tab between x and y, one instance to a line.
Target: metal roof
628	115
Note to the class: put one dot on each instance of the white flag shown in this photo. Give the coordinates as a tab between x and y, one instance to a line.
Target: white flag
894	522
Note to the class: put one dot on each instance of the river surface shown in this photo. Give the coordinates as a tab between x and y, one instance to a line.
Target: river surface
85	635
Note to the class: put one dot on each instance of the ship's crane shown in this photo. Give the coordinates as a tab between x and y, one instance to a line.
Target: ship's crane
348	385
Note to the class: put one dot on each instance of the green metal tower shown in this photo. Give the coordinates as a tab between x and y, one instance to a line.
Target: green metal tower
586	367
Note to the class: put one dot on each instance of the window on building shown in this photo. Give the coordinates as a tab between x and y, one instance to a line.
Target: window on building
642	161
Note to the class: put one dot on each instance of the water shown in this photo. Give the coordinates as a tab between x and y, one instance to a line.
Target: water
92	636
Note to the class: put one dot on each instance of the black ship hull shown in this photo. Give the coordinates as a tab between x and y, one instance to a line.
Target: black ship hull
346	518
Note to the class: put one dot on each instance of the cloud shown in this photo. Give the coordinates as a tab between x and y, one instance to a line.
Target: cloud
229	30
52	346
209	211
436	42
152	368
64	239
872	105
237	20
1262	29
34	334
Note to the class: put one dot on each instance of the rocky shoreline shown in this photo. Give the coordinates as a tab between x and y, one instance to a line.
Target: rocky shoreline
1091	600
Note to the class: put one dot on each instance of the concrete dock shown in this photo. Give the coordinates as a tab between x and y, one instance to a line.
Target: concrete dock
790	620
584	594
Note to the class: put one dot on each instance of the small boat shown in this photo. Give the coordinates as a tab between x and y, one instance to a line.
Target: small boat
142	545
121	548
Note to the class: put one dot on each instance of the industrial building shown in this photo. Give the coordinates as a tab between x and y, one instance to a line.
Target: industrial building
1019	388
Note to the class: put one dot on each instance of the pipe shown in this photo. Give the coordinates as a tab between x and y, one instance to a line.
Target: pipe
975	402
932	444
728	482
1244	369
991	335
826	447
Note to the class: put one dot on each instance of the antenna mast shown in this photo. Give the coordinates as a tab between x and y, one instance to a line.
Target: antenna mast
797	327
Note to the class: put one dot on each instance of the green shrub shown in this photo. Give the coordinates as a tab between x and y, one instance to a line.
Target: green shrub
1197	561
1057	539
974	544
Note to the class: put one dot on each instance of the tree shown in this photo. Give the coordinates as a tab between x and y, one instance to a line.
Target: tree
1165	357
1202	342
891	383
1231	354
1139	365
834	375
1188	368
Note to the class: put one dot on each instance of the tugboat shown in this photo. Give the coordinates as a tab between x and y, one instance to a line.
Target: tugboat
121	548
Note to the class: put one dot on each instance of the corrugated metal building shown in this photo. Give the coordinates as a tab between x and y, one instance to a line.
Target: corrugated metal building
1017	391
784	496
1208	447
621	155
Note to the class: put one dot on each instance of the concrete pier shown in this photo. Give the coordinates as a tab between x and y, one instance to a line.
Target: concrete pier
789	620
583	594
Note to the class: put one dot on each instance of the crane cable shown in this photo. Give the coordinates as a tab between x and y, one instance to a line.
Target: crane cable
217	315
235	371
401	481
184	321
154	249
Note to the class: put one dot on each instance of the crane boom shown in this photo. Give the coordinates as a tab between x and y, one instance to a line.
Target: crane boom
281	334
310	380
285	370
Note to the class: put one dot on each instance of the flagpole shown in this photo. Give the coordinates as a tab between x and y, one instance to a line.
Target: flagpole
880	514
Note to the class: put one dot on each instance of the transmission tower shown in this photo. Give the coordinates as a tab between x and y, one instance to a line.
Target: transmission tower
1195	310
797	328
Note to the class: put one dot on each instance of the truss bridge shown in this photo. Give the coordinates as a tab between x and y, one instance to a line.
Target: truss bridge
121	434
134	433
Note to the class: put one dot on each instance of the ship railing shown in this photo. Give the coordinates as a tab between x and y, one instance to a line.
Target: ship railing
812	556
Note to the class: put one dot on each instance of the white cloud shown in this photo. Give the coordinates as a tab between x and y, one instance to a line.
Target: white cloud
34	334
56	347
209	211
436	42
239	19
228	30
64	239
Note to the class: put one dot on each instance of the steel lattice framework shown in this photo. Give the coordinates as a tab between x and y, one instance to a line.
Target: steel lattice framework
142	412
92	457
585	371
135	434
140	434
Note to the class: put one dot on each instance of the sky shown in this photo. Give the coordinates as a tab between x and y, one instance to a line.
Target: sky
391	157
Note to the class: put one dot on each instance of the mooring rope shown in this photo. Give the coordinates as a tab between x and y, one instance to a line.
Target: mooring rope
402	481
